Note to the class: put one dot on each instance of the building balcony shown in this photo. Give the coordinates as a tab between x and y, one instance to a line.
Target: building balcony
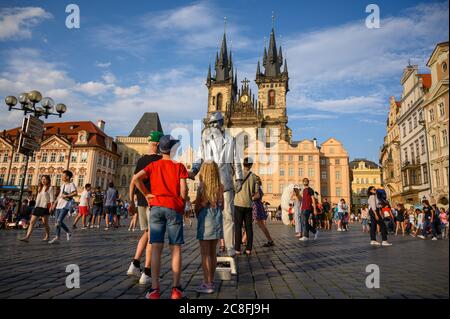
411	164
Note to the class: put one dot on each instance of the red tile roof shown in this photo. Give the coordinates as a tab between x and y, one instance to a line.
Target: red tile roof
69	130
426	80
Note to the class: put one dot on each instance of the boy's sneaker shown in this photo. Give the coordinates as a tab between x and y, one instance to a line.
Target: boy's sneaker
316	235
153	294
133	271
92	226
205	289
304	239
339	229
145	280
421	236
375	243
98	226
54	240
434	238
84	227
386	244
68	236
177	293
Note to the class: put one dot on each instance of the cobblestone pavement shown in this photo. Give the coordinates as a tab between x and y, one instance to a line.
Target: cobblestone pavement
332	267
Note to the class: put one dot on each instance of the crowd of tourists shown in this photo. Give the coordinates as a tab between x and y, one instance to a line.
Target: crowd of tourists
159	203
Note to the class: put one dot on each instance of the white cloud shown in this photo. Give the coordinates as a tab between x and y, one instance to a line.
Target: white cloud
17	22
109	78
127	91
92	88
312	117
103	65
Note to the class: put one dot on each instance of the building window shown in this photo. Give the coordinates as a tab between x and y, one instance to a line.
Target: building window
323	161
80	180
405	178
405	152
416	143
99	162
271	98
338	175
422	144
281	158
300	158
52	157
409	125
74	157
444	138
337	162
291	171
62	157
441	109
219	102
291	158
338	191
5	158
29	179
124	181
323	175
300	172
269	188
415	121
404	129
281	188
281	171
437	178
431	112
44	157
425	173
16	157
84	157
125	159
433	142
58	180
310	172
245	141
444	67
2	179
374	180
12	179
105	159
33	157
310	158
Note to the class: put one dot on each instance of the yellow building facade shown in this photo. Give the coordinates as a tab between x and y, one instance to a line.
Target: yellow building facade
363	174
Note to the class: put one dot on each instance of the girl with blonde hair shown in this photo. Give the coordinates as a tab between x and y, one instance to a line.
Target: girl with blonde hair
208	209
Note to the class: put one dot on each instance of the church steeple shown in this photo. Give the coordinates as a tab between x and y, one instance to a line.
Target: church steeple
224	62
274	59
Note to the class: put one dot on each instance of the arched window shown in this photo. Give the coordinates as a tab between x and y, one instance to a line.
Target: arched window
124	181
219	102
245	141
271	98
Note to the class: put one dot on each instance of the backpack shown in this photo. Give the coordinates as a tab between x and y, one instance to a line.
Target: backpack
382	197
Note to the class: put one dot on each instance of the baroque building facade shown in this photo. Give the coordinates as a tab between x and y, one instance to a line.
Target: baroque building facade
81	147
436	109
363	174
417	135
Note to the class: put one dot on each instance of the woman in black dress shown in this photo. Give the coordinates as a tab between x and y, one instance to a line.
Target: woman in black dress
401	211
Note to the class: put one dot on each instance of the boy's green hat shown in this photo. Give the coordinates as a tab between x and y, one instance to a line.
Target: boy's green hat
155	136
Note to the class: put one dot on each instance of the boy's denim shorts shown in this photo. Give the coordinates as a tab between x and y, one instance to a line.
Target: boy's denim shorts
162	218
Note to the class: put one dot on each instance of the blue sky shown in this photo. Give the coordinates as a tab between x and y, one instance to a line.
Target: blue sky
129	57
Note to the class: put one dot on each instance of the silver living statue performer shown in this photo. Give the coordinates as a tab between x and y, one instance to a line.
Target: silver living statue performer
220	147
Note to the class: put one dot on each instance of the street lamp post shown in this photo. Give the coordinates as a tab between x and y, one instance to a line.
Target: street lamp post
28	103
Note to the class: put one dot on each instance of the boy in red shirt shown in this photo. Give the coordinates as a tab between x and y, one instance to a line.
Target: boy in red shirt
169	192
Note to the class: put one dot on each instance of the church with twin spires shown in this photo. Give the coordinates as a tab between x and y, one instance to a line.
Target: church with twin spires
246	113
239	106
